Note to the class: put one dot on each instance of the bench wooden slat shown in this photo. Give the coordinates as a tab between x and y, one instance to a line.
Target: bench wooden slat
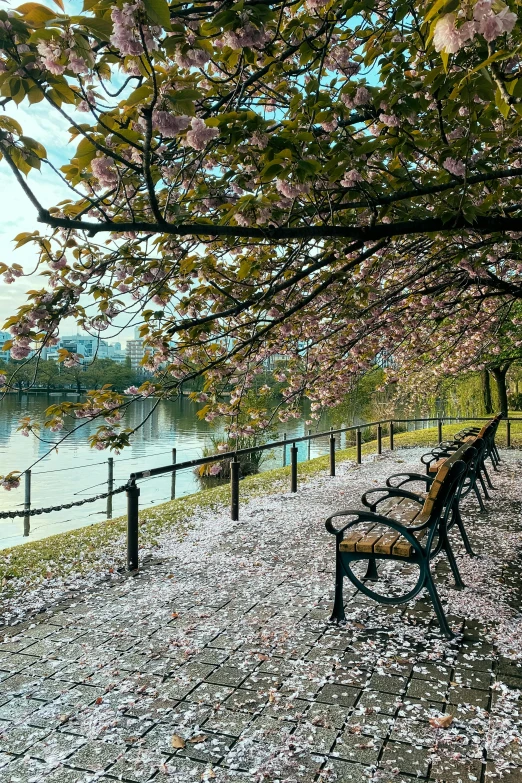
367	542
349	542
385	543
403	548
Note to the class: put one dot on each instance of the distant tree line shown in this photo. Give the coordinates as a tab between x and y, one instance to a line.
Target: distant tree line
54	375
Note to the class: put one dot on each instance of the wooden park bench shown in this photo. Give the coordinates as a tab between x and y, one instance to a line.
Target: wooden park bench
483	440
471	452
411	529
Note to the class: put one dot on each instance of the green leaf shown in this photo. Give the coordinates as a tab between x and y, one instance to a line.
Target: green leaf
101	28
271	171
35	14
138	95
441	7
158	12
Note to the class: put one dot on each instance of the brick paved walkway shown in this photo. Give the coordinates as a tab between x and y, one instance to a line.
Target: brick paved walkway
218	662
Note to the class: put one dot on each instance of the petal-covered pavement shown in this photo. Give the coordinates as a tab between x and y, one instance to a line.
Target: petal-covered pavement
217	661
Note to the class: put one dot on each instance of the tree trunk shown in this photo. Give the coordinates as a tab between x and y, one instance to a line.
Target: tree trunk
499	374
486	391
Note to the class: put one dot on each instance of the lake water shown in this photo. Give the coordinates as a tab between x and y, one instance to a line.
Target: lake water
75	471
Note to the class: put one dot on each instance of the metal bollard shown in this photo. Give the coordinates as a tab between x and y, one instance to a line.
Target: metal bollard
110	485
391	435
293	463
332	455
508	433
284	450
358	446
234	490
309	443
439	433
27	502
173	477
379	439
133	493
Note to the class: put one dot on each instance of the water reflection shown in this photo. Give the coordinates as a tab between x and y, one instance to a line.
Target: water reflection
73	470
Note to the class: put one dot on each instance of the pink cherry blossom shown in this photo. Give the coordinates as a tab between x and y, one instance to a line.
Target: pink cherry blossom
105	171
446	37
169	125
456	167
350	178
362	96
199	135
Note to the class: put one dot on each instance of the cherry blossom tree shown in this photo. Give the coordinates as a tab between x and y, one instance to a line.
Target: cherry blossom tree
335	183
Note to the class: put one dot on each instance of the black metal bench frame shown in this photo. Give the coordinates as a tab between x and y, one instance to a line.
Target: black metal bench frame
421	555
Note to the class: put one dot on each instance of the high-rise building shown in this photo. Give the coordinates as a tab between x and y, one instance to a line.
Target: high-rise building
135	352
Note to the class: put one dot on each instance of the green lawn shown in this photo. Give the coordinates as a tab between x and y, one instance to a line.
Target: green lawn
101	546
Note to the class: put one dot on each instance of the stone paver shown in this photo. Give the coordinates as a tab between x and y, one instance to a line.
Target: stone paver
218	661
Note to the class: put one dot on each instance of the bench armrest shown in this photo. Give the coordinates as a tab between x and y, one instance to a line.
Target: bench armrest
406	477
390	492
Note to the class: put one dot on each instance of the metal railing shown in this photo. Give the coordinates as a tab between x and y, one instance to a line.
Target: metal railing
133	491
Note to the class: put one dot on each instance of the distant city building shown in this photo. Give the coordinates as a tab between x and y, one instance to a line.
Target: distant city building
4	337
116	353
135	352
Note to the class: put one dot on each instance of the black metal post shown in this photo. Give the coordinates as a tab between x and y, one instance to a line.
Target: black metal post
133	493
309	443
391	435
293	463
27	502
173	476
379	439
332	455
508	433
439	431
284	450
110	485
234	490
358	446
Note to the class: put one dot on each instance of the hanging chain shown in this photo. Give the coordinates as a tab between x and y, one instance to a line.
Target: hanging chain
35	511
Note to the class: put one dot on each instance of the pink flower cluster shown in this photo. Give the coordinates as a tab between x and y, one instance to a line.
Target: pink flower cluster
192	58
390	120
11	273
199	134
247	36
105	171
73	360
456	167
449	38
51	51
21	348
292	189
169	125
128	30
350	178
10	482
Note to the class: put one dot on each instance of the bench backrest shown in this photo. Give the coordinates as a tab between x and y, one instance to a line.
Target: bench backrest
444	486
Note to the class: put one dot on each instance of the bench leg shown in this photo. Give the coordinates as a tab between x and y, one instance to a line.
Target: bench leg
459	584
338	607
371	574
462	530
490	485
483	485
439	610
479	496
